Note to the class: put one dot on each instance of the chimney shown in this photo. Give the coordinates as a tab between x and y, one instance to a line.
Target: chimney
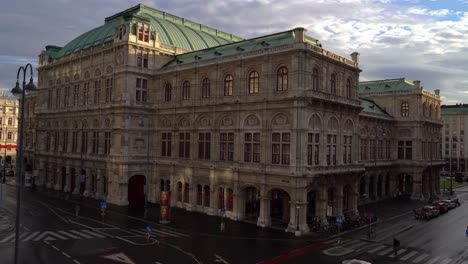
355	57
417	84
437	92
300	34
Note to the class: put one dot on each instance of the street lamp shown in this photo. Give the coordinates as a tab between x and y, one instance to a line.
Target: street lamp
4	157
17	91
451	174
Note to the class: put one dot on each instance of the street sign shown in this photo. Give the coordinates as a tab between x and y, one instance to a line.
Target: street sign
148	229
339	219
103	205
118	257
223	211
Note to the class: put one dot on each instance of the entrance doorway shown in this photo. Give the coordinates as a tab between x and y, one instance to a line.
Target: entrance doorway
280	205
252	203
136	190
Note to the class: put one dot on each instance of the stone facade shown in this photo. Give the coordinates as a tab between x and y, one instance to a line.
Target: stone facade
455	118
273	129
9	109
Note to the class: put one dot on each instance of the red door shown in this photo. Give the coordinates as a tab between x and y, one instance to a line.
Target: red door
136	190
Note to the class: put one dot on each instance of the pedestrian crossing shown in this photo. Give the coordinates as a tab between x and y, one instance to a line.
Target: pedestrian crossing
35	236
164	233
406	255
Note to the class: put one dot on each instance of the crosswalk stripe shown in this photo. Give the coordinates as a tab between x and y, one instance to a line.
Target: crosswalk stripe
23	235
93	233
144	233
359	244
434	260
418	259
399	252
347	242
385	251
174	232
332	240
7	238
68	234
31	236
57	235
446	261
409	255
376	249
164	233
81	234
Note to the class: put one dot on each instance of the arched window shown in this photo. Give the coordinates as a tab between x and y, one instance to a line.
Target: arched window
253	82
282	79
186	90
333	84
206	88
315	79
168	93
404	109
228	85
348	87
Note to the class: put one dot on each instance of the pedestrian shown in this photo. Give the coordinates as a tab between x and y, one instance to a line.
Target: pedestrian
82	182
396	245
148	232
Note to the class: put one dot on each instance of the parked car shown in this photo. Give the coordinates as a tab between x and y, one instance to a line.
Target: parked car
443	207
454	199
431	211
451	204
419	214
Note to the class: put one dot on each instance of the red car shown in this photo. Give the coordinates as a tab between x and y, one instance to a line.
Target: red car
443	208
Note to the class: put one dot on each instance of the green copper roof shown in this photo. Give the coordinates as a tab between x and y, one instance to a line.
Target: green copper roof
273	40
385	85
370	106
454	109
172	30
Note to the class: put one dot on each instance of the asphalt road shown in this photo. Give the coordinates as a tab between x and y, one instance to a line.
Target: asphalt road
53	233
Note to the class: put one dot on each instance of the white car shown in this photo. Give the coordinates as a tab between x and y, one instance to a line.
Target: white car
355	261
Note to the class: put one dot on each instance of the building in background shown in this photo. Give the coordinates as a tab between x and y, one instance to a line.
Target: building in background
455	119
9	109
274	129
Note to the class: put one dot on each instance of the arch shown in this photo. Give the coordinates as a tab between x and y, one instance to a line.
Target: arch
405	184
58	81
251	202
279	205
179	191
347	201
203	121
205	88
206	196
107	123
251	120
362	186
199	195
186	192
136	190
186	90
64	178
379	185
332	124
168	92
348	126
72	179
95	123
372	190
315	122
97	72
405	109
225	121
76	77
280	119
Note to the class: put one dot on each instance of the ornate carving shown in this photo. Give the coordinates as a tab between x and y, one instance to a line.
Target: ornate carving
252	120
107	123
76	77
205	122
280	120
109	69
332	124
86	74
97	72
120	57
226	121
183	123
405	132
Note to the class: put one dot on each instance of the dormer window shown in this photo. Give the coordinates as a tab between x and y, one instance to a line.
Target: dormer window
143	33
121	31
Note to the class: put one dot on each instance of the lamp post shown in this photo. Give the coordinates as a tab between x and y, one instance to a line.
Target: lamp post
451	174
4	157
17	91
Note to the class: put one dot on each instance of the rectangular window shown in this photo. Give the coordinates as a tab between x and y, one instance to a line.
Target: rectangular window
226	146
74	141
97	91
363	149
166	144
146	36
10	121
204	146
84	142
331	149
95	149
280	145
313	148
107	142
65	141
380	149
252	147
76	92
372	149
387	149
141	90
109	83
10	135
56	140
140	33
347	146
67	96
139	58
184	145
405	150
58	98
85	93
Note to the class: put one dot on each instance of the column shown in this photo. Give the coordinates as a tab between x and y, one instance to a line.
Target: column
49	176
321	205
417	186
77	181
264	219
384	180
211	209
58	179
88	190
189	205
99	183
393	182
338	200
67	179
367	181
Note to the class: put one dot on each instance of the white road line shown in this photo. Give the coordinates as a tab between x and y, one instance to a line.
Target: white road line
81	234
31	236
399	252
345	242
332	240
66	255
376	249
144	233
385	251
76	261
93	233
47	242
174	232
163	233
418	259
359	244
68	234
7	238
57	235
409	255
434	260
446	261
23	235
54	247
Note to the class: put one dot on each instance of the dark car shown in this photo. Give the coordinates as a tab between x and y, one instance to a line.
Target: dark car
431	211
443	207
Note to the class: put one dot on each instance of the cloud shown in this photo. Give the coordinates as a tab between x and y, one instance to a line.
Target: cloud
395	40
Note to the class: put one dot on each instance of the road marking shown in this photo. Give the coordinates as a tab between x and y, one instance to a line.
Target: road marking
118	257
93	233
68	234
54	247
409	255
446	261
434	260
376	249
174	232
76	261
418	259
49	237
359	244
399	252
332	240
162	233
81	234
385	251
7	238
66	255
31	236
220	260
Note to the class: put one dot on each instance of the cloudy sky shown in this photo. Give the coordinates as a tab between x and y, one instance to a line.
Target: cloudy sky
418	40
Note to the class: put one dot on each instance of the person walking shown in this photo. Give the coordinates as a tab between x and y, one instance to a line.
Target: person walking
82	182
396	245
